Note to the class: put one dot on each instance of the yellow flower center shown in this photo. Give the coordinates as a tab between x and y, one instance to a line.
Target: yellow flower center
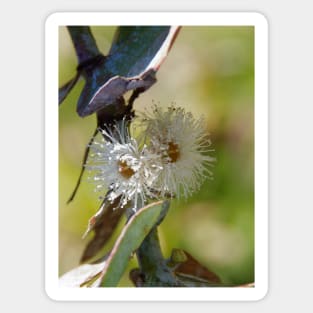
126	171
173	152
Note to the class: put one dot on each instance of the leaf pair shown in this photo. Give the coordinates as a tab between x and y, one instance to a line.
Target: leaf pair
135	56
108	272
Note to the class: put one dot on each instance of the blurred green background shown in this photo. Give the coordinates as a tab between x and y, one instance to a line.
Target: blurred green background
210	72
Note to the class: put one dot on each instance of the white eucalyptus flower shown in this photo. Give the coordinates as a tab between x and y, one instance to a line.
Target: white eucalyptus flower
117	164
182	141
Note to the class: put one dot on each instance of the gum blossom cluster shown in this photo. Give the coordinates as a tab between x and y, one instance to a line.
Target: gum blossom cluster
169	159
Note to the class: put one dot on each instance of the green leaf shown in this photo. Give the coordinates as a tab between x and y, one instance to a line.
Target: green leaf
132	235
135	47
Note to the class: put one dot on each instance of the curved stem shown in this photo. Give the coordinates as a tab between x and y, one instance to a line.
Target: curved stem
152	265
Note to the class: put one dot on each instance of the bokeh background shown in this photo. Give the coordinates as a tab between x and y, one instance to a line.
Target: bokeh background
209	71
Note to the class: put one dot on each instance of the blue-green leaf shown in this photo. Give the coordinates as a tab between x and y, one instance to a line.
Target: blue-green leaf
135	56
132	235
